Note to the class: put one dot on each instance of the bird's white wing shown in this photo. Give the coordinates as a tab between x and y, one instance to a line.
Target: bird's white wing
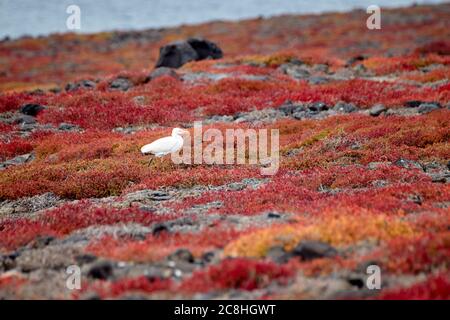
161	146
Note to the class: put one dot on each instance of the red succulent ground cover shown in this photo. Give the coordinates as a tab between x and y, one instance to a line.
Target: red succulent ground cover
373	188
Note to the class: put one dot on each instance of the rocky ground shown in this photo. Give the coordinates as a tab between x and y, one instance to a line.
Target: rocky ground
364	125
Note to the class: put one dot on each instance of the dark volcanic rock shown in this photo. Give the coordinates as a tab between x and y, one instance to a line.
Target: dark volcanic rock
318	107
355	59
176	54
159	228
83	84
8	262
356	281
273	215
345	107
413	103
309	250
205	49
31	109
160	196
121	84
102	270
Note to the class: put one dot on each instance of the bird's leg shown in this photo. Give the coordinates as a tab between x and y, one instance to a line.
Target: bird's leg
150	160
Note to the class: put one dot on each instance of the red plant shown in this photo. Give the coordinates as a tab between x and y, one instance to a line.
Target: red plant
436	287
14	148
244	274
140	285
157	247
65	219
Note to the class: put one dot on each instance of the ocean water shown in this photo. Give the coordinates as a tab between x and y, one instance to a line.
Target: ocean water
31	17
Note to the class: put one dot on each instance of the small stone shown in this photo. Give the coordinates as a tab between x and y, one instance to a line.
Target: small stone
8	262
145	195
377	109
209	257
355	59
66	126
413	103
102	270
273	215
356	281
182	255
278	254
321	67
241	119
177	273
440	177
41	242
309	250
380	183
25	119
318	107
85	258
83	84
318	80
160	196
159	228
428	107
31	109
24	158
408	164
417	199
345	107
120	83
299	115
139	100
87	84
288	107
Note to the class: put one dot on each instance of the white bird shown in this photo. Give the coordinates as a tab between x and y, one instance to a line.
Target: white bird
166	145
